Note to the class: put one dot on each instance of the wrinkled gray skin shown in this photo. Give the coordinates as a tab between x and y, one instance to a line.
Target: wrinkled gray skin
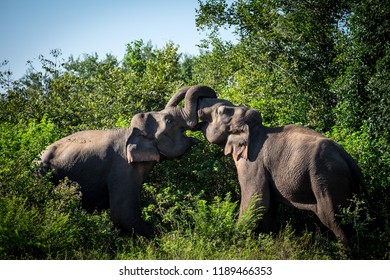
110	165
293	165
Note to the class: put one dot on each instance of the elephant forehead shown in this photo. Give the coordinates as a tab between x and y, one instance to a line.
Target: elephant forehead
226	110
148	121
205	103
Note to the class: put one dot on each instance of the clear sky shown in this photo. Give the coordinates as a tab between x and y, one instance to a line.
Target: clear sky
29	28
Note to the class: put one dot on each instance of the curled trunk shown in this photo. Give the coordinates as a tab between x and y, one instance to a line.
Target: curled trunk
191	95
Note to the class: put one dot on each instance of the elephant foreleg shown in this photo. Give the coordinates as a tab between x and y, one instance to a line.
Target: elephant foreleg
255	195
128	218
125	209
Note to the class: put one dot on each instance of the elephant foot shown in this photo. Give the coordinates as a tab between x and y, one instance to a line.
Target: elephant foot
345	251
140	229
143	230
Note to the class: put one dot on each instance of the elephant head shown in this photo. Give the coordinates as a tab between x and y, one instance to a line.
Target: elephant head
164	132
227	125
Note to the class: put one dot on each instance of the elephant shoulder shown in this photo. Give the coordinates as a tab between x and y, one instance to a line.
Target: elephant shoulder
295	129
301	134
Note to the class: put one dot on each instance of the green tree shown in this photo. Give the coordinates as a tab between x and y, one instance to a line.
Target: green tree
137	55
363	84
90	92
363	88
283	62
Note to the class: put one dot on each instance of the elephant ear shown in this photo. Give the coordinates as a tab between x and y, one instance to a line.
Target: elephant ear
237	144
141	149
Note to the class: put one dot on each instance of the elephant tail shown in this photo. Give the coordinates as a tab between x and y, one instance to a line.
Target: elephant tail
359	185
380	219
44	162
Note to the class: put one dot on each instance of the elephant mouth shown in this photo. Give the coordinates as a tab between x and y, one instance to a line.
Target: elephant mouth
213	133
201	126
174	147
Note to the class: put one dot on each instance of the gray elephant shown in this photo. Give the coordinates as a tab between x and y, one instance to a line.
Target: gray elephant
110	165
292	164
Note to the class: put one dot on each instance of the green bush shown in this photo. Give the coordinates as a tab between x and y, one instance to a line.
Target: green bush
56	229
18	229
209	230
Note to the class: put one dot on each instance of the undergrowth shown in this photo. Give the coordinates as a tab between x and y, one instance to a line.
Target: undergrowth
42	221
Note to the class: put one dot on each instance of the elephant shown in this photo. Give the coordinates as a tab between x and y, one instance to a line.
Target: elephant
292	164
111	165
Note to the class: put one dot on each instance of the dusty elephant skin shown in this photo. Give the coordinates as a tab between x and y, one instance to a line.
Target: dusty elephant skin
110	165
292	164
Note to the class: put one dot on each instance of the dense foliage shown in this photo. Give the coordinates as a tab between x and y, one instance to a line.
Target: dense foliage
322	64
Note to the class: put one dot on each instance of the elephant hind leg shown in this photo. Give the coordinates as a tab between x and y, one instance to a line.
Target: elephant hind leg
326	213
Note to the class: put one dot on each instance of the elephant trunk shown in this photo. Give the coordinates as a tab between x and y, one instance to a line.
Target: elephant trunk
177	97
253	117
191	96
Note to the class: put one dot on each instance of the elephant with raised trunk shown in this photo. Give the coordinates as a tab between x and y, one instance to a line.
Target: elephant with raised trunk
291	164
110	165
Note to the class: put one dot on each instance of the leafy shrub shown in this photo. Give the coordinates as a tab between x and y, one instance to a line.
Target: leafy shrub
20	144
57	229
203	229
18	229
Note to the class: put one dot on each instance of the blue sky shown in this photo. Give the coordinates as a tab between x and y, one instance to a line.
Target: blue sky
29	28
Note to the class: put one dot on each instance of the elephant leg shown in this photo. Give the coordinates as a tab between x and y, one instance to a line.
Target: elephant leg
332	192
268	222
126	214
326	213
125	207
331	184
255	193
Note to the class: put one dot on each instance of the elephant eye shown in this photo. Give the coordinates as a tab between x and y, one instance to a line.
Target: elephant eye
227	111
220	111
168	121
